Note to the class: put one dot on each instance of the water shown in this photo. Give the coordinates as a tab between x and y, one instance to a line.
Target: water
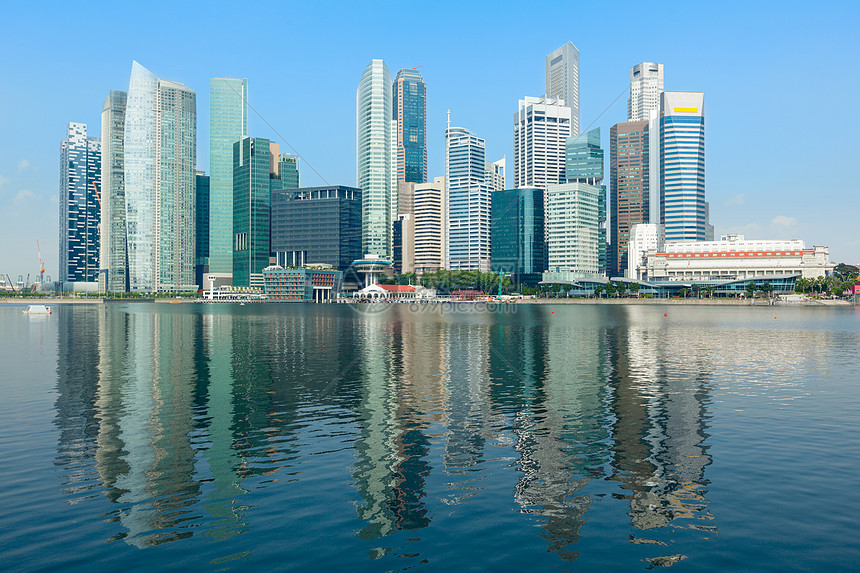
140	436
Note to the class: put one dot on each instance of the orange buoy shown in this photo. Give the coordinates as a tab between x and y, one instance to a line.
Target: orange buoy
665	314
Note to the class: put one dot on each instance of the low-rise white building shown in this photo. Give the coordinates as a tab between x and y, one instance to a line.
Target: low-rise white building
733	258
644	238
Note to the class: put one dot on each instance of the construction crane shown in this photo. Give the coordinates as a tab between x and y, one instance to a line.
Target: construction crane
41	264
416	67
98	197
11	284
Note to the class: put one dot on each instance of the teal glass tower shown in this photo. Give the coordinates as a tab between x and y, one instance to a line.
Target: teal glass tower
584	164
252	188
517	234
228	123
201	262
114	255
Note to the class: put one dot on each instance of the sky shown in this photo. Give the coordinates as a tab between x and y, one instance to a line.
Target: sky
781	84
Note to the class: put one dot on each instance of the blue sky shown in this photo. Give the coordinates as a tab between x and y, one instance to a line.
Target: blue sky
780	80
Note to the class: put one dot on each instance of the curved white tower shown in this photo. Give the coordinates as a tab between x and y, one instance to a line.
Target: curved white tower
374	156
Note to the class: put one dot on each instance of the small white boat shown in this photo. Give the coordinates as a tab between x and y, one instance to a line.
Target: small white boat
38	309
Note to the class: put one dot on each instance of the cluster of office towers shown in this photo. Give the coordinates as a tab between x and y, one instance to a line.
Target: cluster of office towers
136	215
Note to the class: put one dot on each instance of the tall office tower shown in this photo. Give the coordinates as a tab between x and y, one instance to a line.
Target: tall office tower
562	80
114	254
495	174
541	127
575	212
253	181
374	158
646	85
628	186
430	227
160	155
316	225
468	201
201	257
682	165
288	171
403	243
228	123
409	103
518	244
80	206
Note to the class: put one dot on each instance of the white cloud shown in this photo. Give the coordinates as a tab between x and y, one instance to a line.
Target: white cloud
23	164
55	199
783	221
3	181
24	194
737	200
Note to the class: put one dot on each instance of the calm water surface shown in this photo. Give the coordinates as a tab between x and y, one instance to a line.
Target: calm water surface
140	437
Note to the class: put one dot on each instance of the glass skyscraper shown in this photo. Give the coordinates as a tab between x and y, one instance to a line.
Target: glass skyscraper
252	188
518	245
375	158
114	254
228	123
562	80
409	95
683	211
201	257
160	152
628	186
80	208
467	201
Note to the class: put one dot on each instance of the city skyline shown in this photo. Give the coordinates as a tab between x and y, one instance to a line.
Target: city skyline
754	193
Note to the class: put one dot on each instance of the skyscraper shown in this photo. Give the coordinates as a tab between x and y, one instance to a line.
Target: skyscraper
80	206
682	165
628	186
228	123
646	85
541	127
252	187
430	226
201	256
409	104
562	80
375	158
575	211
468	201
160	150
518	245
114	254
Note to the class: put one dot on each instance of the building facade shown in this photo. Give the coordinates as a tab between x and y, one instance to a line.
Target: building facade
584	164
628	187
682	165
201	258
80	205
317	225
409	103
113	248
228	123
541	127
562	80
646	85
644	237
467	200
429	206
317	285
518	245
375	158
160	152
733	258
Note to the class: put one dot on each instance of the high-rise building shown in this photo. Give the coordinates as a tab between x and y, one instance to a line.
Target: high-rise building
316	225
541	127
201	258
409	103
518	245
495	174
430	227
646	85
80	205
288	171
375	158
562	80
113	252
252	188
576	211
404	243
682	165
160	151
468	201
628	187
228	123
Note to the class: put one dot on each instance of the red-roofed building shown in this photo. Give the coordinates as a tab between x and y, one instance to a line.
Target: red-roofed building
386	292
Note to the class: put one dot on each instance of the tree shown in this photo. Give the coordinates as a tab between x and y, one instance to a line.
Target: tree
598	291
683	292
750	289
610	289
697	289
767	288
710	291
621	287
634	288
